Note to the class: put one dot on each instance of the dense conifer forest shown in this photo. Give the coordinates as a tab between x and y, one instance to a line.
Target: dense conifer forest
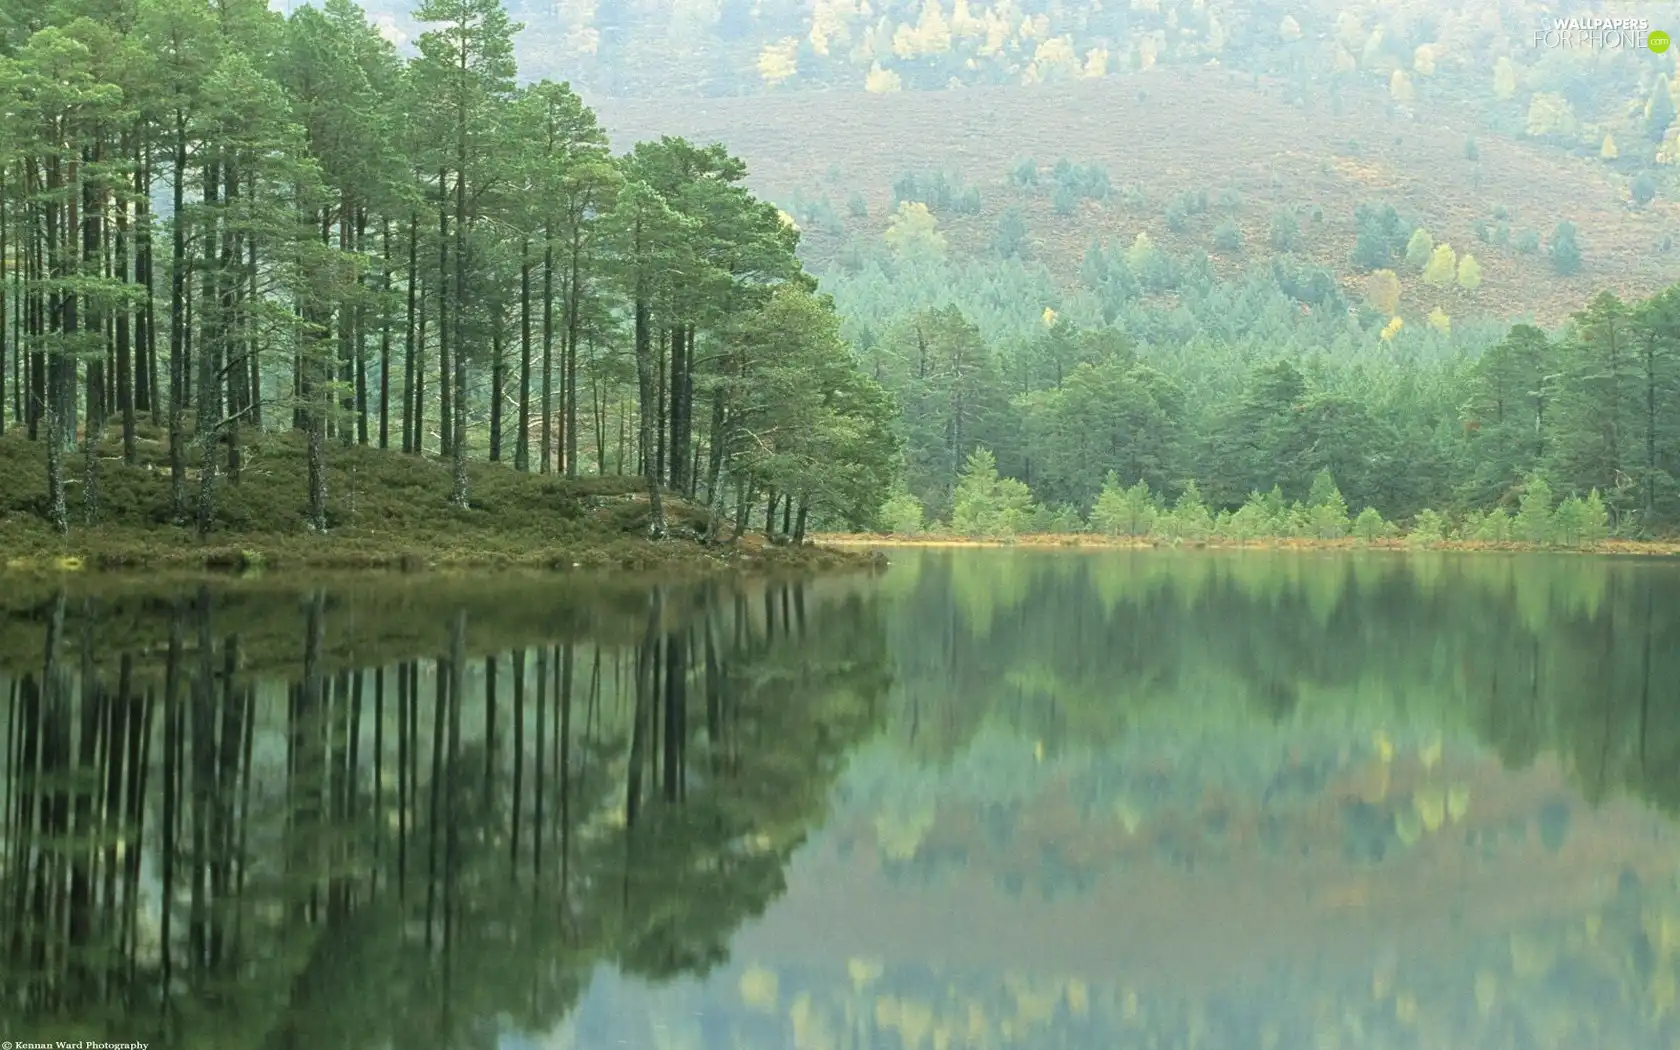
218	223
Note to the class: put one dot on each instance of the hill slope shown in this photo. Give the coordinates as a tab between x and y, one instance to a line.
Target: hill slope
1170	130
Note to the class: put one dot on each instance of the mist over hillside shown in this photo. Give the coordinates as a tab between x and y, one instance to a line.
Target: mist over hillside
1459	115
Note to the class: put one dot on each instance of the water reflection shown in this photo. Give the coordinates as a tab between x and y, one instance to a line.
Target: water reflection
227	823
990	799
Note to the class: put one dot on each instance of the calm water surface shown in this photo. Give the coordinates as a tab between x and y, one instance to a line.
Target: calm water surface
987	799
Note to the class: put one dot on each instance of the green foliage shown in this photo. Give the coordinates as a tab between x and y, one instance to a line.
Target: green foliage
1369	525
1177	217
940	191
1659	110
1419	248
1327	510
985	505
1083	181
1533	523
902	515
1581	522
1252	520
1428	529
1643	188
1025	173
1061	520
1065	199
1527	242
1010	238
1285	235
1471	153
1123	512
1189	519
1227	237
1493	527
1565	250
1381	235
1260	384
856	206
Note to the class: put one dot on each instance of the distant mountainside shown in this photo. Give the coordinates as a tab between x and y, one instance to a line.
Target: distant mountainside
1454	112
1421	53
1243	148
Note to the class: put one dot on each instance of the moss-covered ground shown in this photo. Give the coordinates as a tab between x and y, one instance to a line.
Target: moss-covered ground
386	510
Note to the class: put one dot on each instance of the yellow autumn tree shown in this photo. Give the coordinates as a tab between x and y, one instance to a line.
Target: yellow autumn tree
1096	62
1141	253
930	35
1053	59
1442	266
1550	116
914	232
1392	329
933	29
828	24
1469	273
1350	30
1372	54
997	33
779	61
1439	321
1344	62
1400	87
1504	78
1149	49
1607	149
1289	29
882	81
1383	289
1423	60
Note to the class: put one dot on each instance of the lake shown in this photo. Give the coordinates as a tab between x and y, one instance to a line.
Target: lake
988	798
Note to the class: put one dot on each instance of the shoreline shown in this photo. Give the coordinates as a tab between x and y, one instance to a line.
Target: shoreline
170	549
387	513
1086	541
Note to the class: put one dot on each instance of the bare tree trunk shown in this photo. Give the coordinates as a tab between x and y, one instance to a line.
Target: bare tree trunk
649	407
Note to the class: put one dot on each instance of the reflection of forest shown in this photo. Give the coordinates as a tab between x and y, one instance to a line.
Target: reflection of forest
1255	800
1521	654
223	832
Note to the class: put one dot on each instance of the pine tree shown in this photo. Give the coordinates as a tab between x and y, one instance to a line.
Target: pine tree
1534	514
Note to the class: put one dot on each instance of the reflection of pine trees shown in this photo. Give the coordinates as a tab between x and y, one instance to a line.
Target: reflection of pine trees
348	855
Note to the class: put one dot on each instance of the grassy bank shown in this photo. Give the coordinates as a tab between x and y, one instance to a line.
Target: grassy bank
1094	541
385	511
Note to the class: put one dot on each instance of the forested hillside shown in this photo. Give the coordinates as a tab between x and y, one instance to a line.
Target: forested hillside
1049	170
220	223
414	253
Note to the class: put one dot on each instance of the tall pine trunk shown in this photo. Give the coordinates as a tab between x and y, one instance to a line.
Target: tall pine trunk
458	445
124	349
415	337
522	448
385	336
178	325
548	351
649	408
574	324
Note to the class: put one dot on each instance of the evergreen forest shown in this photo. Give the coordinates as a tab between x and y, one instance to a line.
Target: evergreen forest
223	228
